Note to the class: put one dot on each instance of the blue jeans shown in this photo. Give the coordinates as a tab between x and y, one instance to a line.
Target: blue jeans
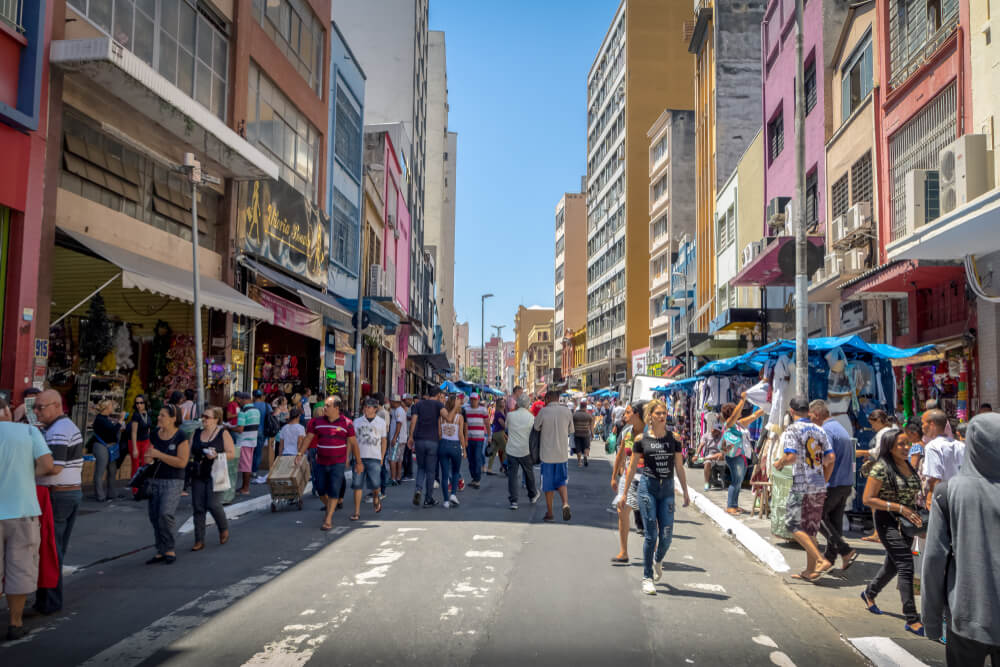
162	512
328	478
656	504
371	474
450	456
64	508
427	460
737	469
104	467
476	451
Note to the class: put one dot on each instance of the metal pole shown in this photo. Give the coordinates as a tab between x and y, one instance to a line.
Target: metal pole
801	279
482	335
199	362
687	325
357	336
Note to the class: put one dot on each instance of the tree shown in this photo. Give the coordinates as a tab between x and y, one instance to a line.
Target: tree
472	374
95	331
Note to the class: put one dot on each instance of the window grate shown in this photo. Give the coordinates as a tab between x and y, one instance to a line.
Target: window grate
862	186
840	197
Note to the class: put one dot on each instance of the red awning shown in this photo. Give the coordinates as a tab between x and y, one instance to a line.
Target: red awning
764	271
673	370
899	278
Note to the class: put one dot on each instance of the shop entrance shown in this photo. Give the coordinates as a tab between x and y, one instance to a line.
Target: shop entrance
285	361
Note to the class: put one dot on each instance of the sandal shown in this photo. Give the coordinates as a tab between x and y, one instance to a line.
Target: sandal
870	538
377	502
223	537
326	526
355	517
198	546
849	560
870	603
548	517
620	559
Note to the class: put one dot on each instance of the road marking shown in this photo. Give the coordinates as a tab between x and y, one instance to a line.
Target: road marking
883	652
297	650
735	610
484	554
164	631
410	530
484	537
465	589
384	557
450	612
371	577
714	588
308	612
764	640
781	659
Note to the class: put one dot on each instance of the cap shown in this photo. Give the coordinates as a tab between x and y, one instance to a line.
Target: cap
474	395
798	404
371	402
407	396
395	398
257	393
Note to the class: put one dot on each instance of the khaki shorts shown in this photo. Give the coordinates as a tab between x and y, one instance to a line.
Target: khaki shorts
19	542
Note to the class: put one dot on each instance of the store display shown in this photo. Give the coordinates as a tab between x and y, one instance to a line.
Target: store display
95	331
276	373
180	364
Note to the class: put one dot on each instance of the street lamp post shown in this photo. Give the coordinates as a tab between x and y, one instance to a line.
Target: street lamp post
482	333
499	328
801	277
687	322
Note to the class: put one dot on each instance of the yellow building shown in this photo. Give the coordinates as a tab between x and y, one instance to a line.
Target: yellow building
539	355
525	319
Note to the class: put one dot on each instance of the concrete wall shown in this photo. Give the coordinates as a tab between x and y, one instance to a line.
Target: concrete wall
574	314
683	202
750	210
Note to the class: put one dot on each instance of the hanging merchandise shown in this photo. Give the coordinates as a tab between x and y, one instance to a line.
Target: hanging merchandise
162	334
840	396
180	364
963	391
95	331
908	395
134	389
123	347
109	364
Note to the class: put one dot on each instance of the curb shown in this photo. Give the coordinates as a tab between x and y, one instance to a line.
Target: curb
748	537
236	510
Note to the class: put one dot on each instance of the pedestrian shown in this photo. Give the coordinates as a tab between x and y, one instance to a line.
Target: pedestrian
808	450
169	454
451	448
498	440
292	433
891	490
618	412
915	434
879	421
23	456
663	458
961	568
838	486
139	424
942	455
424	440
208	443
189	409
335	438
984	408
737	448
475	424
555	424
104	444
370	430
306	401
710	450
248	428
519	424
512	399
626	490
397	439
583	433
263	437
63	483
539	403
409	458
21	411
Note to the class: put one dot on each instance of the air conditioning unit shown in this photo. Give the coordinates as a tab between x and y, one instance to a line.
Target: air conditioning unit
751	251
837	229
833	264
857	216
855	260
775	215
376	280
922	199
965	167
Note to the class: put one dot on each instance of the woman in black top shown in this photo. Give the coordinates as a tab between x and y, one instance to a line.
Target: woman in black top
208	443
139	425
169	454
105	439
662	458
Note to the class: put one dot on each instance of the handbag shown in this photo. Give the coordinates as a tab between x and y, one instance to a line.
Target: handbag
112	449
611	445
907	527
535	446
220	473
142	481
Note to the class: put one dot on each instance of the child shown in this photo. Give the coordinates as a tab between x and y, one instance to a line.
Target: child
291	433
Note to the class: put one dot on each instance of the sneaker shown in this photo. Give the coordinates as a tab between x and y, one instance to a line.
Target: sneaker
430	502
447	504
566	513
461	484
534	498
585	462
15	632
658	571
648	587
708	487
513	506
416	498
454	499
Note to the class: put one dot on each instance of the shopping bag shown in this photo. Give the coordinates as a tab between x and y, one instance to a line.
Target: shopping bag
220	473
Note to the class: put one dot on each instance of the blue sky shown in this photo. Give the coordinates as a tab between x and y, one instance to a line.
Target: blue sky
517	82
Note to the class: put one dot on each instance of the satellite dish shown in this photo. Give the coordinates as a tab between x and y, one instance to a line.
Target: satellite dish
786	260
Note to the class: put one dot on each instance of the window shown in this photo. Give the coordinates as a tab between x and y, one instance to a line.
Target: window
345	224
861	179
725	229
916	29
660	227
660	150
297	33
660	189
812	199
277	127
347	131
560	245
185	42
856	78
560	219
776	136
840	197
809	83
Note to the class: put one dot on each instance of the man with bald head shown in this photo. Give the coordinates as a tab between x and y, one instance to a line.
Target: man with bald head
63	483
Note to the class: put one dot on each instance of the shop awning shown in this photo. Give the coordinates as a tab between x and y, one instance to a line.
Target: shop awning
377	313
325	304
968	230
719	347
766	270
897	279
149	275
439	361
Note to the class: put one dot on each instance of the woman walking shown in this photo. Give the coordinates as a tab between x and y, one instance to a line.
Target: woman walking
451	449
892	489
169	453
623	458
138	425
209	442
105	443
662	458
737	448
498	439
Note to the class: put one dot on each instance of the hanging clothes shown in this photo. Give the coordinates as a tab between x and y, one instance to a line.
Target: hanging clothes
781	385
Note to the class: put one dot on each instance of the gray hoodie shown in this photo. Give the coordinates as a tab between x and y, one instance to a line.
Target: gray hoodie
961	569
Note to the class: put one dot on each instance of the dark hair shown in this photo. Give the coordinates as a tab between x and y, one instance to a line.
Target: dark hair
174	412
879	415
31	391
189	394
175	397
639	409
380	397
449	404
727	410
145	401
887	443
294	413
962	429
983	407
913	426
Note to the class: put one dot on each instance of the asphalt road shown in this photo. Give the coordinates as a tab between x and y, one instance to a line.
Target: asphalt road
477	584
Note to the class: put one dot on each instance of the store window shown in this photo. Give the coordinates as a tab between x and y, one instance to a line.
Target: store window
183	40
297	33
276	126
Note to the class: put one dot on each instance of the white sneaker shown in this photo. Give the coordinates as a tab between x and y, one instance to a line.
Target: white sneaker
534	498
657	571
647	587
453	499
447	504
436	485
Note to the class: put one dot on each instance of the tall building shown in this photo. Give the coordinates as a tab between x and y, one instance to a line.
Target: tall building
571	266
525	318
725	40
439	208
643	40
461	351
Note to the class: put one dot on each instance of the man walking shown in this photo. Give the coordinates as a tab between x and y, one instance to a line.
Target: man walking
248	431
408	457
476	427
838	486
942	455
334	436
583	433
512	399
555	424
263	438
808	450
398	425
370	429
63	482
519	424
961	570
23	456
424	441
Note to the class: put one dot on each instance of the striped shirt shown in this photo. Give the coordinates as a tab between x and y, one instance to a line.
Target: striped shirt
64	440
331	438
476	420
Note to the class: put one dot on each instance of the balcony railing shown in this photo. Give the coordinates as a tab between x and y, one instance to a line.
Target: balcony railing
659	279
919	56
12	13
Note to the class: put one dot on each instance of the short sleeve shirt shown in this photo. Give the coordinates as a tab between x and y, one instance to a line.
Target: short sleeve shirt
399	416
809	444
895	487
582	424
21	445
476	420
370	433
657	455
64	440
331	439
843	449
249	419
427	412
289	435
943	458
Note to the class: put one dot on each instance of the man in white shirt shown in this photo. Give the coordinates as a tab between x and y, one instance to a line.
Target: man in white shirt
371	433
942	455
398	434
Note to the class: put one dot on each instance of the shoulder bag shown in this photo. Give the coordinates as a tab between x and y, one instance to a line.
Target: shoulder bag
535	446
909	530
142	481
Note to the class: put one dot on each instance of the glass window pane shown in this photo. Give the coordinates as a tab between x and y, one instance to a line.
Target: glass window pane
185	72
123	23
188	21
301	159
205	32
274	11
203	85
168	57
289	153
306	46
100	13
148	6
219	97
266	125
143	45
168	17
293	37
79	4
220	56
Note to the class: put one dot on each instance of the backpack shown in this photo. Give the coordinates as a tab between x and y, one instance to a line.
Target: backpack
270	425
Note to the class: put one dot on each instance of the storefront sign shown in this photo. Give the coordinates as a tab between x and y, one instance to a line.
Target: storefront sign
278	224
287	315
343	343
639	361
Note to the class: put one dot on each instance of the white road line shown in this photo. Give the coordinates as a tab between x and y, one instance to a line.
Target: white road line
781	659
883	652
484	537
735	610
484	554
164	631
714	588
764	640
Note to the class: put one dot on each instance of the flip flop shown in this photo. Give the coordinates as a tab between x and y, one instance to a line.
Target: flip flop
377	502
616	559
850	560
355	517
870	538
326	526
825	569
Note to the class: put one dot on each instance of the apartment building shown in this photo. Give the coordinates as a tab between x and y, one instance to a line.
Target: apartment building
643	40
536	362
525	318
570	266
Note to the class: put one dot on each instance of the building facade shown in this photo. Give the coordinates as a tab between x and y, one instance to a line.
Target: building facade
525	318
570	265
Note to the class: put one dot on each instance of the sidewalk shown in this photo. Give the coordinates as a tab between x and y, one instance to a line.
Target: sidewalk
837	595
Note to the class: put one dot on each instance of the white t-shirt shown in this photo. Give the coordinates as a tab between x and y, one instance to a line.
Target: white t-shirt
943	457
289	435
399	417
370	433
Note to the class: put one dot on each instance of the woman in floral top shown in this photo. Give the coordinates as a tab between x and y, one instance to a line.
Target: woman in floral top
891	490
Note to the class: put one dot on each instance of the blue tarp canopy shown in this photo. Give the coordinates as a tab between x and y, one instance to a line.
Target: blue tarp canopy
604	393
850	345
739	365
450	387
686	385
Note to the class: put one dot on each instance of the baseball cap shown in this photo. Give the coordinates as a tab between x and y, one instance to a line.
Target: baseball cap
407	396
371	402
395	398
474	395
257	393
798	404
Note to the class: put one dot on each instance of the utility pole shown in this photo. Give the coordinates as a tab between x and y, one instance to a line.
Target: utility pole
482	335
801	278
498	328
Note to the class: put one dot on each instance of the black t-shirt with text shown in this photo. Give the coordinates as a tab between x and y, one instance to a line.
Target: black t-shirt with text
657	454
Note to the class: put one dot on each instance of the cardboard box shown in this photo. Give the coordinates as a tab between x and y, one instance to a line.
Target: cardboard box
287	480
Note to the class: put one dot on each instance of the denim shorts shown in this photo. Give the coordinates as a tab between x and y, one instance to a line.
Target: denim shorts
328	478
372	473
